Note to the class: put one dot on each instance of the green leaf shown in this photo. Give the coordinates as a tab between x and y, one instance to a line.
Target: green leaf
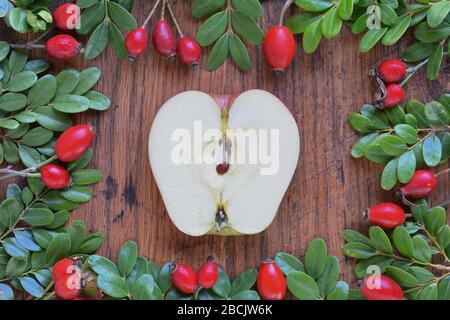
37	65
437	13
362	268
331	24
312	36
58	248
32	287
396	115
389	176
380	240
15	267
244	281
203	8
102	265
339	292
13	101
121	17
26	117
42	92
117	42
9	124
86	177
417	109
407	133
360	122
421	274
212	28
145	288
246	295
436	114
432	150
59	219
424	33
422	251
4	50
55	201
388	15
97	41
443	289
53	120
38	217
42	237
396	32
329	276
98	101
17	19
70	103
22	81
316	258
378	117
403	242
10	152
77	194
92	243
44	276
77	233
14	248
37	137
239	53
358	250
360	24
88	78
30	156
402	277
434	64
314	5
6	293
302	286
219	52
393	145
406	167
164	280
430	292
418	51
127	258
251	8
288	263
362	143
223	285
345	9
67	80
113	285
370	39
9	212
247	28
354	236
435	220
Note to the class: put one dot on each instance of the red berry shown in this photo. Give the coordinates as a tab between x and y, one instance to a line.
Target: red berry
392	70
208	274
271	282
387	215
62	47
55	176
136	42
421	185
381	287
68	287
74	142
189	51
394	95
63	268
66	16
183	278
164	40
279	47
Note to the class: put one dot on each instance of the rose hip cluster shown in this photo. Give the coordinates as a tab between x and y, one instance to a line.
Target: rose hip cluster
71	283
163	40
388	215
391	72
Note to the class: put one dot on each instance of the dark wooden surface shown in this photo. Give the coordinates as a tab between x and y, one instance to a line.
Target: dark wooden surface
329	190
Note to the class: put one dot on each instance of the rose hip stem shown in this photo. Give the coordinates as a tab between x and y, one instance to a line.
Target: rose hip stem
152	12
412	71
283	11
174	19
28	172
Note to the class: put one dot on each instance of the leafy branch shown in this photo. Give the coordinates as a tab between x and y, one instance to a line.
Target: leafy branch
26	16
226	28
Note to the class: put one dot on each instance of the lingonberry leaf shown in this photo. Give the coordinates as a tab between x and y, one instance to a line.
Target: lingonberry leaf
380	240
13	101
239	53
67	80
288	263
77	194
371	38
362	268
92	243
331	24
86	177
360	25
6	293
219	52
164	280
121	17
362	143
402	277
59	219
117	42
22	81
339	292
302	286
393	145
417	109
316	258
53	120
251	8
437	13
32	287
246	295
9	124
212	28
98	101
429	292
389	175
443	288
38	217
223	285
329	277
70	103
406	166
87	80
312	36
345	9
358	250
55	201
299	22
435	220
77	232
58	248
432	150
314	5
97	41
174	294
418	51
127	258
113	285
396	32
434	64
145	288
247	28
424	33
86	3
102	265
436	114
91	17
388	15
422	251
203	8
403	242
244	281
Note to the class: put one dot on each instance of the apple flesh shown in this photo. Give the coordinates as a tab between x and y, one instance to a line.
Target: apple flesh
199	198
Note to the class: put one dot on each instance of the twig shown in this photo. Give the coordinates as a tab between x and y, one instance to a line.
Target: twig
151	14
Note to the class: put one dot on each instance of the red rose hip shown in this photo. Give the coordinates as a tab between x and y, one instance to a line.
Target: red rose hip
55	176
208	274
63	268
381	287
189	51
68	287
184	278
421	185
164	40
271	282
279	47
394	95
74	142
66	16
136	42
392	70
386	215
62	47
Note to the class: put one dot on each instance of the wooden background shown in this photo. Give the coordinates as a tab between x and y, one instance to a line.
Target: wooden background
329	190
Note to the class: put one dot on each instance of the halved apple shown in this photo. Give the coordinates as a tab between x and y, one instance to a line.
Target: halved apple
222	163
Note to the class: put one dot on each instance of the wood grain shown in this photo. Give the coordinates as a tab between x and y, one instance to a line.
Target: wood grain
329	190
